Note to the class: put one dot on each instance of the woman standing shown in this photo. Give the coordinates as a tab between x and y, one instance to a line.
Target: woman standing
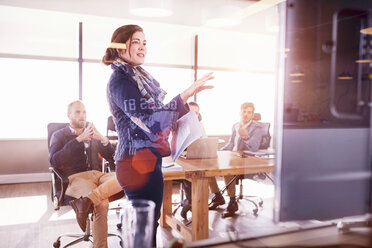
142	121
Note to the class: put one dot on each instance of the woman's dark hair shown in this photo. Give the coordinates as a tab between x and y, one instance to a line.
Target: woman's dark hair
121	35
196	105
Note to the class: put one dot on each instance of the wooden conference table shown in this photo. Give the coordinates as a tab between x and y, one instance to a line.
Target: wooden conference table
198	171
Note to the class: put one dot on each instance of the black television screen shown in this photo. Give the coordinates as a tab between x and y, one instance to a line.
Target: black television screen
323	124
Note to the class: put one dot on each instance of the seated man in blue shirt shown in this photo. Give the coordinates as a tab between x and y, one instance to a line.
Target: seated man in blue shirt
71	152
246	135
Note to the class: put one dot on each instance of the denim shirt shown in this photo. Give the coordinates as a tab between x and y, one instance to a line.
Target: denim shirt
139	125
255	133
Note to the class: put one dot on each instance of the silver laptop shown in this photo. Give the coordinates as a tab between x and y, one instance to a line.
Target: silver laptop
201	148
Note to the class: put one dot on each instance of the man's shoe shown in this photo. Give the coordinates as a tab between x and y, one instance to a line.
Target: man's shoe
82	207
232	206
186	206
217	200
231	209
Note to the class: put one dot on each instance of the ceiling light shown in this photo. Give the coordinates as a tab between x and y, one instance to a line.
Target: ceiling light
222	16
366	30
345	76
150	8
296	81
297	72
363	61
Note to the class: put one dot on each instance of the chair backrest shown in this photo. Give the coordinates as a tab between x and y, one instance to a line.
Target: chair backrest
111	124
111	129
54	126
58	187
266	138
256	116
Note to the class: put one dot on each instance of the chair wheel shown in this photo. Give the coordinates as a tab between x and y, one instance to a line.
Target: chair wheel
261	176
55	203
57	244
255	211
260	203
119	226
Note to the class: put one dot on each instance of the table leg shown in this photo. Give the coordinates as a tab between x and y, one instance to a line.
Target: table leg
200	223
166	208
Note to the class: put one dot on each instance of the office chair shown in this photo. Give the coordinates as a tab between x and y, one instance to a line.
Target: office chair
265	143
109	166
238	179
59	186
111	129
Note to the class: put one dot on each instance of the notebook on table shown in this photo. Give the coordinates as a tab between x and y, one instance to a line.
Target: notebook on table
201	148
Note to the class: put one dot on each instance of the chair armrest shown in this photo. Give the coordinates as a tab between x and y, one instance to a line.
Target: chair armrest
63	183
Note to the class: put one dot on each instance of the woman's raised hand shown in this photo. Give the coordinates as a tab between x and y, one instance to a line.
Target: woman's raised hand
197	86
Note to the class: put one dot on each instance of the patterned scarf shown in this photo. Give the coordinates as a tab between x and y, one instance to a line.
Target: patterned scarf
147	85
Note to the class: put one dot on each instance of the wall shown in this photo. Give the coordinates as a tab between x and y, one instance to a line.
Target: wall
20	157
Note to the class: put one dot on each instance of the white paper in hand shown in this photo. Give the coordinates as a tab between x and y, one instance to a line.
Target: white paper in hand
188	130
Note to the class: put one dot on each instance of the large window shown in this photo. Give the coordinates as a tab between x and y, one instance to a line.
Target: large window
244	68
220	107
172	80
38	76
95	78
34	93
